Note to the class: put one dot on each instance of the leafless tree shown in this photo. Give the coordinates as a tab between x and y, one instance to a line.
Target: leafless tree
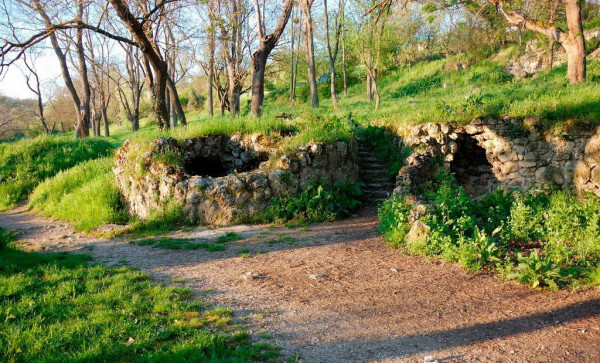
33	82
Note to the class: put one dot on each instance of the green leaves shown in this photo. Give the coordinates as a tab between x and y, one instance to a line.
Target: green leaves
552	238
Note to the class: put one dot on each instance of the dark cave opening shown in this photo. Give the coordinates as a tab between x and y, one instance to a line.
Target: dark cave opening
471	168
206	167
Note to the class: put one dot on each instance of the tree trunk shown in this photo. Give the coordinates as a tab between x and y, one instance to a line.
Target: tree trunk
369	90
575	45
310	53
175	101
259	61
105	118
152	57
84	126
573	42
331	58
211	66
344	69
260	57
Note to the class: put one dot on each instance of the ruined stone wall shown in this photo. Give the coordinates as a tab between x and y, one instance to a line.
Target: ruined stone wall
240	195
509	153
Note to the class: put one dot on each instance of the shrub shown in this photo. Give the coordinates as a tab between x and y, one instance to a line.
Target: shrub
317	203
551	237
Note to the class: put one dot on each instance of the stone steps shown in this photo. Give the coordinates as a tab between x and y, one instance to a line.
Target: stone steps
378	186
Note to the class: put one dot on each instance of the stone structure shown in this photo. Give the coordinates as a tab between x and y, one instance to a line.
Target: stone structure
223	180
509	153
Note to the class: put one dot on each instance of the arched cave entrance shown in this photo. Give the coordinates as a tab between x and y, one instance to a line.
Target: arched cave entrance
472	169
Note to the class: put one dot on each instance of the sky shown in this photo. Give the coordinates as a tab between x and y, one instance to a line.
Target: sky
12	81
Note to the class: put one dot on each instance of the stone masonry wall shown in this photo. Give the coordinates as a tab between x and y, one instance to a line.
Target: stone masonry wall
507	153
237	196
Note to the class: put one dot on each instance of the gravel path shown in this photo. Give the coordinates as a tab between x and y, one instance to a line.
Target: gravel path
334	292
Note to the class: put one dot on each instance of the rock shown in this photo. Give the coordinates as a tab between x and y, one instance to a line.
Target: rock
595	175
418	233
317	276
253	276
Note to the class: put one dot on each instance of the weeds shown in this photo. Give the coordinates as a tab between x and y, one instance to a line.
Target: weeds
316	203
545	239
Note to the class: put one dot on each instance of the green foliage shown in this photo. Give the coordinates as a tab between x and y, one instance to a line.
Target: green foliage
536	271
26	163
168	243
54	307
229	237
316	203
551	237
84	195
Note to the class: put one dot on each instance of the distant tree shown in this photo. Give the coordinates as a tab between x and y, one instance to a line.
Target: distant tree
310	51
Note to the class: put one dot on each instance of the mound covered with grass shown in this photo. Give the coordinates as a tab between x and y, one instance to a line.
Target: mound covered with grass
26	163
54	307
547	238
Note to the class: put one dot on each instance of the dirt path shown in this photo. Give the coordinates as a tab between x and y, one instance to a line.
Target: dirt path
334	293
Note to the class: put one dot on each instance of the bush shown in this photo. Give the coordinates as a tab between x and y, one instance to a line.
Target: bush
551	237
26	163
317	203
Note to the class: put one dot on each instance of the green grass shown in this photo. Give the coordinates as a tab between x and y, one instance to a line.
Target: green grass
426	92
26	163
84	195
549	239
54	307
168	243
229	237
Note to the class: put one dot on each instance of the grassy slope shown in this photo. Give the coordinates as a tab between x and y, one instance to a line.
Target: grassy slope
427	93
26	163
54	307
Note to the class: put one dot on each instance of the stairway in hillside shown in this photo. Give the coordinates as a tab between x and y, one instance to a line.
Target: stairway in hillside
378	185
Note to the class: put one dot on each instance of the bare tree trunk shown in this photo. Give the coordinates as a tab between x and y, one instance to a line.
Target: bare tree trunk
573	41
62	60
175	101
576	69
343	35
331	56
310	53
105	119
344	66
259	59
84	126
158	83
211	62
369	90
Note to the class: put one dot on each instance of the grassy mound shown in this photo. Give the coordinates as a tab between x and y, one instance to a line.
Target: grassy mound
54	307
26	163
84	195
543	239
